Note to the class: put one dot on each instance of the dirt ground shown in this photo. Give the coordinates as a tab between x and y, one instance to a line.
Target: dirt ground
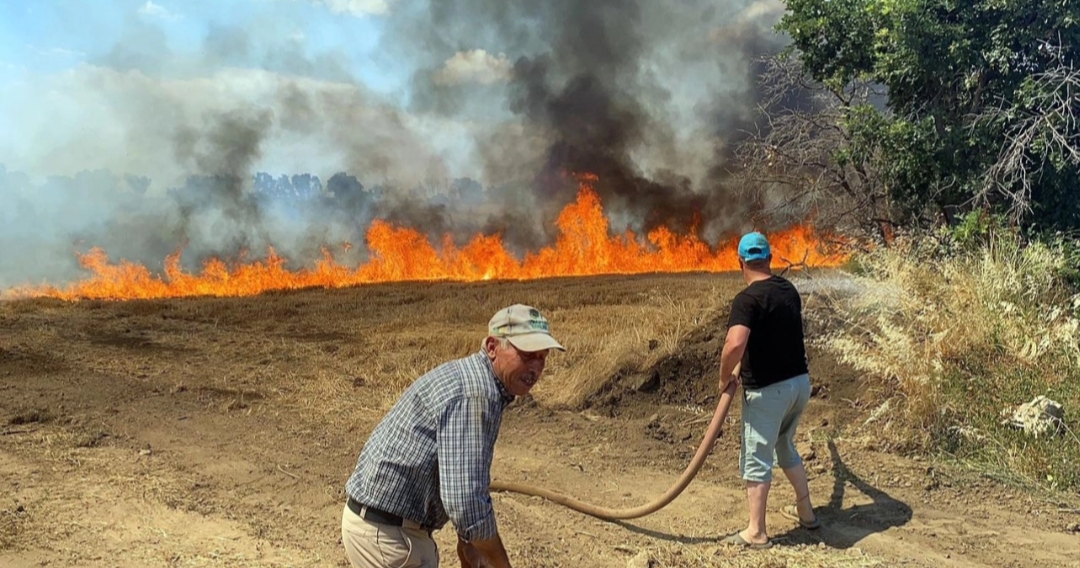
220	432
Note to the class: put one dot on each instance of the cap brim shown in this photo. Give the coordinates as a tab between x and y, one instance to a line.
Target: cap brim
535	342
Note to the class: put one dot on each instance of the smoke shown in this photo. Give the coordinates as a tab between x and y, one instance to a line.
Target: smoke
648	96
146	148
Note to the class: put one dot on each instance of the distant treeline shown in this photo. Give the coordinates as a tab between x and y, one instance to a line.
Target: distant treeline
262	185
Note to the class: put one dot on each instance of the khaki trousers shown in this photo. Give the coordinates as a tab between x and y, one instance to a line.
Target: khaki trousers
375	545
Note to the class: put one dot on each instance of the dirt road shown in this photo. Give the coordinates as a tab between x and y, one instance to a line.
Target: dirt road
220	433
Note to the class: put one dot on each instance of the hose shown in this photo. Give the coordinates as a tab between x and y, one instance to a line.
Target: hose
722	407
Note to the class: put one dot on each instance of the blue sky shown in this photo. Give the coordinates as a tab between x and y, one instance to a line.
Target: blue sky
49	36
73	72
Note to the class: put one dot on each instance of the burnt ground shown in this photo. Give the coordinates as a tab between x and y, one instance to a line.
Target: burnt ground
219	432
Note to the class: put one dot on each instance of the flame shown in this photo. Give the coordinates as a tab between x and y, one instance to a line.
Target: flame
584	247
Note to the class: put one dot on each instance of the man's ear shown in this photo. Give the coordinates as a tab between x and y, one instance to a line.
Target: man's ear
490	343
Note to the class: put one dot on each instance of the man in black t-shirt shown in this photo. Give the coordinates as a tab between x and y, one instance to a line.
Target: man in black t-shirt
765	333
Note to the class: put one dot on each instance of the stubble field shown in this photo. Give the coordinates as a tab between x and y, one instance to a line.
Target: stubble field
220	432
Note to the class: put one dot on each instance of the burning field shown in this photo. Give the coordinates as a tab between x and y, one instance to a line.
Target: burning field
584	246
219	432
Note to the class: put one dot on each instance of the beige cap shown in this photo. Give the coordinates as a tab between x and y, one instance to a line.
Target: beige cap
524	327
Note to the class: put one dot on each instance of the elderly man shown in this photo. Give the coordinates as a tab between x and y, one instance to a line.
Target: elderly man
428	461
765	333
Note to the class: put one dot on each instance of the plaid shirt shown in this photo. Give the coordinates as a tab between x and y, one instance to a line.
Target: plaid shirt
429	458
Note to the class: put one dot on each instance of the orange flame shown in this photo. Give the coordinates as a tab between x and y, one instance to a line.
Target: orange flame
584	247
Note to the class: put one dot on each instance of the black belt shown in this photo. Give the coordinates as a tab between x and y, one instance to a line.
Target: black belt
369	513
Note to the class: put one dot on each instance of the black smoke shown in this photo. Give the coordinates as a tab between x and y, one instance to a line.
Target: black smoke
589	78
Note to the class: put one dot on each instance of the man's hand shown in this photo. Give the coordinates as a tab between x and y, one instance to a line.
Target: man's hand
487	553
470	557
730	385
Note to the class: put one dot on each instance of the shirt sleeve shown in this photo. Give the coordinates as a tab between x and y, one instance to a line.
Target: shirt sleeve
466	443
743	311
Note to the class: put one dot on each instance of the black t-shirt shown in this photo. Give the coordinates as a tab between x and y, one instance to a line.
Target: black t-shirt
772	309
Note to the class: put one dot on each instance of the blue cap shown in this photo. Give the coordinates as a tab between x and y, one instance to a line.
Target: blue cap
753	246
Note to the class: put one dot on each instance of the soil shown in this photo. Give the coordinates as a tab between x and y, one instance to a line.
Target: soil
127	438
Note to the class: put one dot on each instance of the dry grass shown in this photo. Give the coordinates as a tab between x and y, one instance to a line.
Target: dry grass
328	354
631	338
319	349
953	337
628	325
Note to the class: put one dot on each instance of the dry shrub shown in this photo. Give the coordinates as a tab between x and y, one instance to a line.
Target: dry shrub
952	335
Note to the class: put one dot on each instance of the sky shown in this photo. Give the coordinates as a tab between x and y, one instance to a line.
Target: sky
64	64
49	36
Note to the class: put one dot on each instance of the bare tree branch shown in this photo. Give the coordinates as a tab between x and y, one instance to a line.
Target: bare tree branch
1045	132
791	163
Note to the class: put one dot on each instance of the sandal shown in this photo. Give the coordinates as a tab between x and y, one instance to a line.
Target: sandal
792	512
738	540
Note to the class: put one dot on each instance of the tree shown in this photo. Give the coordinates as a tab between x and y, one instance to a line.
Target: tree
980	105
1037	166
807	160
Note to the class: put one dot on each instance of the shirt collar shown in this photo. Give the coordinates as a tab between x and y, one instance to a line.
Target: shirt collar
507	397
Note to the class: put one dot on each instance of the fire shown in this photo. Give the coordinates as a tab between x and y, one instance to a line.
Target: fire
584	247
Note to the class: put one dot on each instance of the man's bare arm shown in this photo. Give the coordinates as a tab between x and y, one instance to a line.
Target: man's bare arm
732	354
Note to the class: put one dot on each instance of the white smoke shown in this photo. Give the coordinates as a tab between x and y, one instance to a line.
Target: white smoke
475	65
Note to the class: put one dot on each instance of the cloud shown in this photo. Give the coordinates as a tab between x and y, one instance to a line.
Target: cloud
357	7
477	66
151	10
55	51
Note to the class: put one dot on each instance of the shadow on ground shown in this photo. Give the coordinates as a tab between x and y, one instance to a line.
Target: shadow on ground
844	527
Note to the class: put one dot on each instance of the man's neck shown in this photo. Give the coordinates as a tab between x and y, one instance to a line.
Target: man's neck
504	390
757	276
